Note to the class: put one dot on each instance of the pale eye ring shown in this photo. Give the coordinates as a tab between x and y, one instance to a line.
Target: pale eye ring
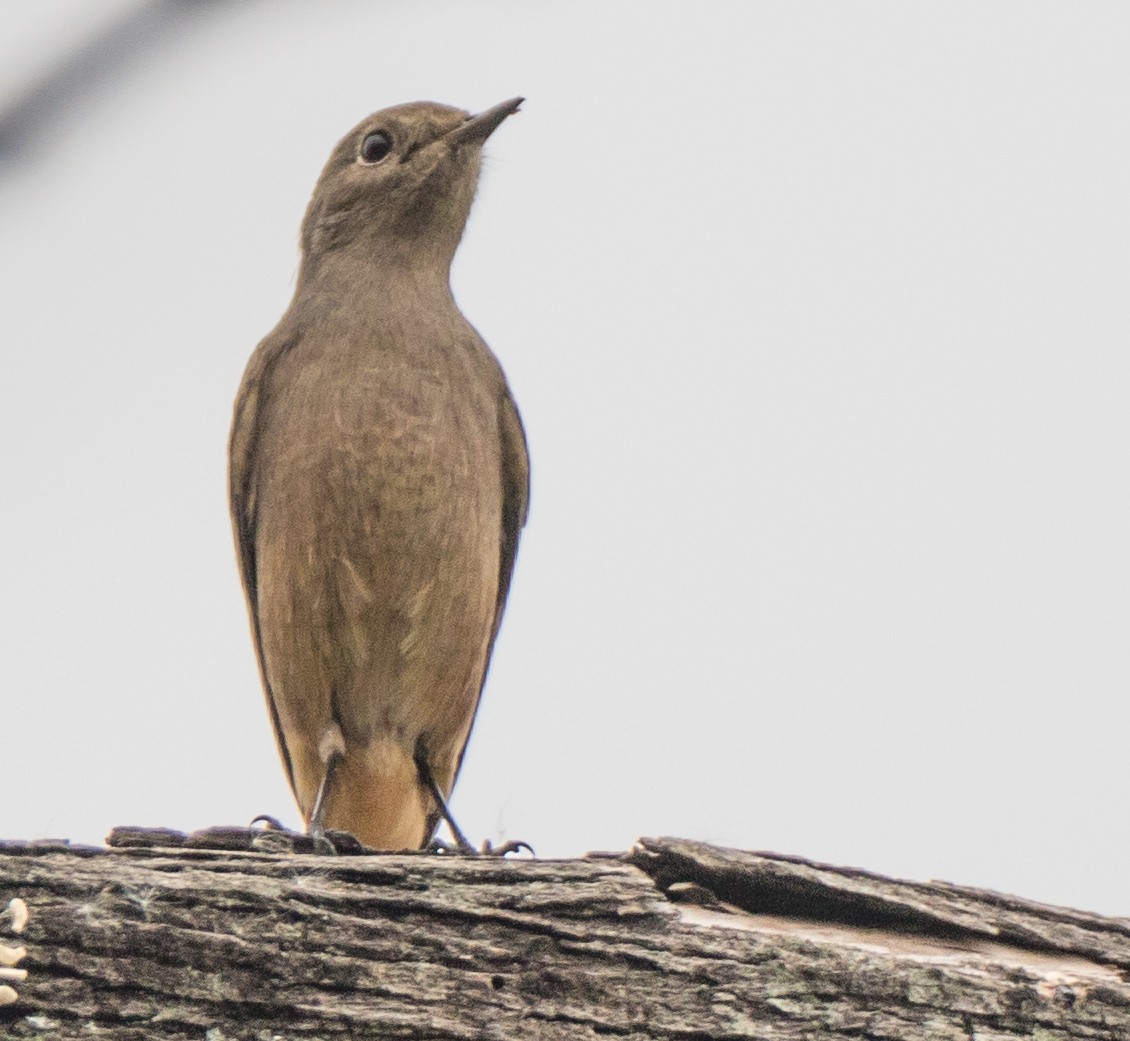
375	147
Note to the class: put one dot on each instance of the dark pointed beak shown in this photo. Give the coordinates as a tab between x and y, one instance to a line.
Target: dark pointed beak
479	128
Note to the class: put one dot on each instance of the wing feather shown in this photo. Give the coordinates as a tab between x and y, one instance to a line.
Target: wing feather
242	478
515	476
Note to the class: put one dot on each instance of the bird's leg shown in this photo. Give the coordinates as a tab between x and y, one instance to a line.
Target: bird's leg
317	827
428	781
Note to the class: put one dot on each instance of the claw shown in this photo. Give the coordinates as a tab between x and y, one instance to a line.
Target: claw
276	837
344	841
454	849
513	846
451	849
268	840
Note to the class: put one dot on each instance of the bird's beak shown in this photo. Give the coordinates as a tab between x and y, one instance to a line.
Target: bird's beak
479	128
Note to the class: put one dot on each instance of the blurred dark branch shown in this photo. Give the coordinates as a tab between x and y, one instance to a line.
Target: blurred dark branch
30	115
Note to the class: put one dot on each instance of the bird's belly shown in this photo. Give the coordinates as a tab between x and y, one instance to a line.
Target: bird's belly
378	558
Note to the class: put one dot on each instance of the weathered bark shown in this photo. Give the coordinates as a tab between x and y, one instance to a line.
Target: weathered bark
217	937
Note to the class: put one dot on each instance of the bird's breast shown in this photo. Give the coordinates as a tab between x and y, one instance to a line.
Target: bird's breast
379	520
408	424
382	465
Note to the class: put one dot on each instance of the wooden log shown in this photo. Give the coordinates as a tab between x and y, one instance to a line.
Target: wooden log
231	934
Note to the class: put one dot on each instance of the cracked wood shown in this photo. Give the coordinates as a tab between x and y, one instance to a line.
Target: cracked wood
223	935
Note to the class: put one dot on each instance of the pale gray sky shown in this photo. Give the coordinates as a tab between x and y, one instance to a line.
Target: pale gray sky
817	315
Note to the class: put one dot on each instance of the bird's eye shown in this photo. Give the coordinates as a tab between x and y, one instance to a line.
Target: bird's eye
375	147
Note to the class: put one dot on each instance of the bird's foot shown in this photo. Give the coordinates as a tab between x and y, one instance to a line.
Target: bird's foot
331	842
275	837
462	847
441	847
513	846
465	849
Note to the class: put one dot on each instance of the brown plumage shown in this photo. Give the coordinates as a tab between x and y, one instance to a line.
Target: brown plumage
379	481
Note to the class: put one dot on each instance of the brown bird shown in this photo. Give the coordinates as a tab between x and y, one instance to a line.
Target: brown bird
379	481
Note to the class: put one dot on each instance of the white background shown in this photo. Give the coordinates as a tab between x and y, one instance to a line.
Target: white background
817	317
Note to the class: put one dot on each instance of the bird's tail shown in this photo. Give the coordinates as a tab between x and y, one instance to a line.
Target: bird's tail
375	794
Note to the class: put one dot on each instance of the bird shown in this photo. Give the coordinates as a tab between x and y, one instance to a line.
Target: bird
379	481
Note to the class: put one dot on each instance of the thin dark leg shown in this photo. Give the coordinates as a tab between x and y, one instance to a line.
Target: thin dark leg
317	828
429	782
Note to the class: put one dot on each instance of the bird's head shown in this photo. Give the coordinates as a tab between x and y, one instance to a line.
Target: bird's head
399	185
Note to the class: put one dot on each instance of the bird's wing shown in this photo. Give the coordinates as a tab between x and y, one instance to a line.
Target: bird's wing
515	507
515	498
242	455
